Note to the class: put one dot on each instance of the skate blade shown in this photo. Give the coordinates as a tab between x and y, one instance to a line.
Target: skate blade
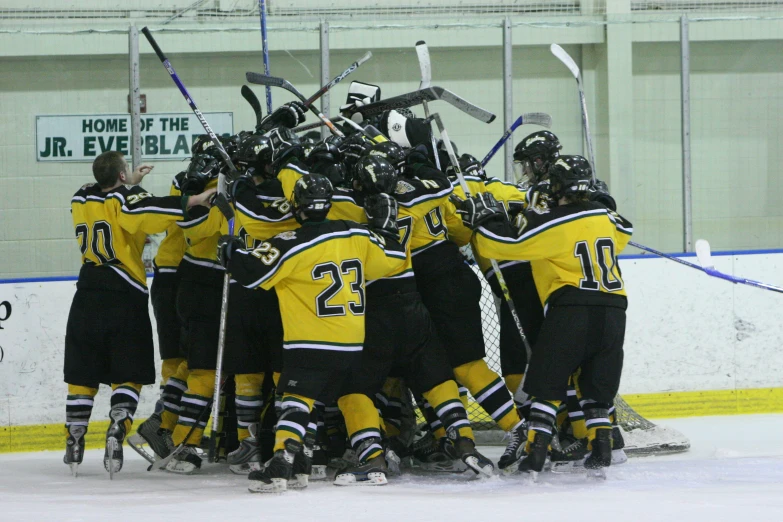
568	466
299	481
318	473
111	464
481	471
372	479
619	457
180	467
74	469
245	468
596	474
453	467
278	485
136	442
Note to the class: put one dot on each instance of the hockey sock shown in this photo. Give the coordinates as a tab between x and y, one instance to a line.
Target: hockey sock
293	420
575	413
78	406
613	415
176	385
169	367
444	399
490	392
125	396
390	401
362	423
249	402
432	418
513	382
542	419
198	396
312	425
463	396
596	418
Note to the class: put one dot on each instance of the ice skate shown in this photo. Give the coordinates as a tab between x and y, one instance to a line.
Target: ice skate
465	450
246	458
303	468
515	449
570	455
371	473
273	477
156	439
536	456
185	462
115	435
432	455
600	456
74	448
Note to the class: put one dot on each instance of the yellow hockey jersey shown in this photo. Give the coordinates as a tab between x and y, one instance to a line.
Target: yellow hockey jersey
112	227
172	247
202	230
571	246
319	273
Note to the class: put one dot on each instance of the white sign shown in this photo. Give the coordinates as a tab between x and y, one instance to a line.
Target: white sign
83	138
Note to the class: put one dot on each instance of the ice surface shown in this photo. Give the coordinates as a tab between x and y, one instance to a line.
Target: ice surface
734	471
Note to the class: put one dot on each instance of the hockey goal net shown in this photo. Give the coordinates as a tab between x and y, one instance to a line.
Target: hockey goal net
642	437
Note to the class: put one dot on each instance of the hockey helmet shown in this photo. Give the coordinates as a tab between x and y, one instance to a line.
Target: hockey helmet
374	175
570	175
312	198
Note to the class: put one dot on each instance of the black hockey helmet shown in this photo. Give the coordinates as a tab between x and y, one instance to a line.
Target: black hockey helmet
325	151
443	154
310	140
326	159
312	198
254	152
570	175
391	152
469	165
374	175
286	146
536	153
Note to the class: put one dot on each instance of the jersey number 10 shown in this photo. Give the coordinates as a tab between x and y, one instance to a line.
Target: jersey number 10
604	249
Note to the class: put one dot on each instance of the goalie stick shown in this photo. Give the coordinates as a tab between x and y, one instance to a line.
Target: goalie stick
532	118
569	62
221	201
252	99
423	53
501	280
429	94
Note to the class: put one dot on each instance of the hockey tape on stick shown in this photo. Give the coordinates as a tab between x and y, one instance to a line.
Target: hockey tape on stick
429	94
425	65
533	118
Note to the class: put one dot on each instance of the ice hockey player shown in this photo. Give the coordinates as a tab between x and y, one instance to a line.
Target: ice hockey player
573	250
318	272
415	349
109	334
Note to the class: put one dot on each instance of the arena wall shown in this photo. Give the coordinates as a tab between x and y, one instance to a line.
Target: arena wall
695	345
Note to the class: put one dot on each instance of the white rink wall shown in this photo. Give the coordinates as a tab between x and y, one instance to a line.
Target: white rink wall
686	332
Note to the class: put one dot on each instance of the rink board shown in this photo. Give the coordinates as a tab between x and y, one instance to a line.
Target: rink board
695	345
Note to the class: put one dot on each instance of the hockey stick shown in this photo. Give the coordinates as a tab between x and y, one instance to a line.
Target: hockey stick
533	118
429	94
269	81
501	280
252	99
265	50
423	52
705	260
221	201
569	62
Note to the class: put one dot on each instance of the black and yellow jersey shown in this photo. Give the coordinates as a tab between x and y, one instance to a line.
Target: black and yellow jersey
319	272
201	230
572	250
172	248
112	227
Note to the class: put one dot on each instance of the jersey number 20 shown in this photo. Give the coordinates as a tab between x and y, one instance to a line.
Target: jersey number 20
101	233
607	262
336	273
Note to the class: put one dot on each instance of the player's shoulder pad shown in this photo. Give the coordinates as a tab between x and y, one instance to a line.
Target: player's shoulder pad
296	166
492	181
87	190
468	179
344	195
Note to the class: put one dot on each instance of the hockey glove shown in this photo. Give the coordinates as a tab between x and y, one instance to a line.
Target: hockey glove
540	196
226	247
478	209
599	193
243	182
202	168
416	158
289	115
381	210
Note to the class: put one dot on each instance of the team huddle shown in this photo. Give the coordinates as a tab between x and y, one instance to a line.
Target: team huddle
350	303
